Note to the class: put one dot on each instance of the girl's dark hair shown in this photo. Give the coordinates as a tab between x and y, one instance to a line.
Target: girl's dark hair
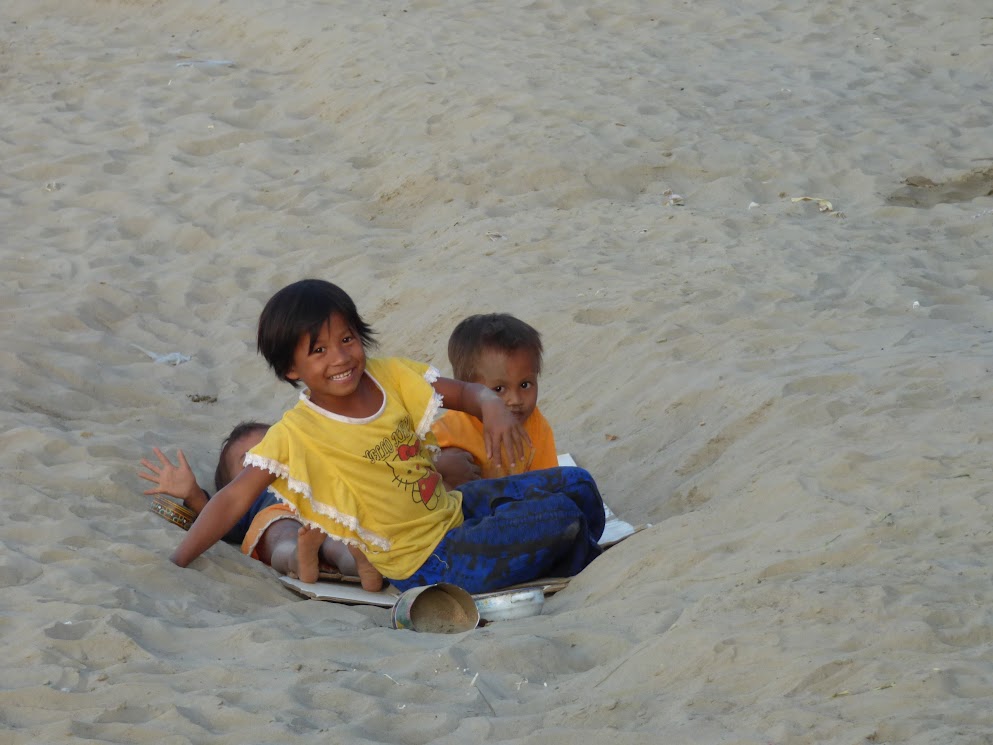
303	308
221	476
500	331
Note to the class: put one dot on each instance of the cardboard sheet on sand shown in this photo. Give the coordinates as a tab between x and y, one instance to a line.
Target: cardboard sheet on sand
338	589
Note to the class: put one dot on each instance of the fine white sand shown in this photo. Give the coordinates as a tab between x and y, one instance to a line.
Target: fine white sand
797	400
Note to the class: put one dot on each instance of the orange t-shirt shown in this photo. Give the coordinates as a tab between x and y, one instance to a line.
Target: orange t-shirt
456	429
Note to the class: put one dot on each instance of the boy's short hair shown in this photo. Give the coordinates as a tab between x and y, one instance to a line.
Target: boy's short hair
500	331
303	308
221	476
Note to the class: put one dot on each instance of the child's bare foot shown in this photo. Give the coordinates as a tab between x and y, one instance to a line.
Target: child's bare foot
309	540
369	576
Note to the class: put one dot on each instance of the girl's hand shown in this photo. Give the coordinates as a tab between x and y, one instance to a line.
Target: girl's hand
173	480
507	444
221	513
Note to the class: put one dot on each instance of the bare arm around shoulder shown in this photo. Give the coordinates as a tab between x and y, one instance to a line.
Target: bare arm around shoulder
220	514
502	433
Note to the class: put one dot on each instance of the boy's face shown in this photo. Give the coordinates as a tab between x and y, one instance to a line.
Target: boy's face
234	457
332	365
511	375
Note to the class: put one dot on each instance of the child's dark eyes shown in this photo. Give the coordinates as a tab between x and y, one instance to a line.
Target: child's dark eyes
320	349
527	384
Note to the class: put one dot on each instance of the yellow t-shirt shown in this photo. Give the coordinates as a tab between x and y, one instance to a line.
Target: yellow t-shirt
456	429
368	482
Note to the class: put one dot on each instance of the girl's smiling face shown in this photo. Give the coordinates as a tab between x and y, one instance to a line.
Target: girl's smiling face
331	366
511	375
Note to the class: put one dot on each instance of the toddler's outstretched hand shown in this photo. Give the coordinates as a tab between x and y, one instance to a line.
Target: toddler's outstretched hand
173	480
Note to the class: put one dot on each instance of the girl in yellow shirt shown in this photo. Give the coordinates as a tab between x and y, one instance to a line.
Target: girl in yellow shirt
354	461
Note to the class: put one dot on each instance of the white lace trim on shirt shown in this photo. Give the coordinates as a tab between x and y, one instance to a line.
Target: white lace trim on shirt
298	518
431	375
302	488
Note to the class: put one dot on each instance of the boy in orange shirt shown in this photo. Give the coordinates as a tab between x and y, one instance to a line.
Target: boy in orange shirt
504	354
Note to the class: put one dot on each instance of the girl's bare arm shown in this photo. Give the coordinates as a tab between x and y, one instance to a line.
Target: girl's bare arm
221	513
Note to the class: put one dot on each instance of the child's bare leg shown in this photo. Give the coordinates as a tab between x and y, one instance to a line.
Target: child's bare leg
309	540
291	548
277	545
283	544
370	578
336	554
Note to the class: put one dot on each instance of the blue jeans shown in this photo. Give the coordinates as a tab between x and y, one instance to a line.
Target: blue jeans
517	529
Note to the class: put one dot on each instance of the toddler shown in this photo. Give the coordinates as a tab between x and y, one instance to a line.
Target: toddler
502	353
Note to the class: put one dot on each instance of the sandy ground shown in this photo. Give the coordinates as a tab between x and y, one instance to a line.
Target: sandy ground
797	400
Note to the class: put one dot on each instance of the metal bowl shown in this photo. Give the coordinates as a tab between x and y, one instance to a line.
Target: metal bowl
504	606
